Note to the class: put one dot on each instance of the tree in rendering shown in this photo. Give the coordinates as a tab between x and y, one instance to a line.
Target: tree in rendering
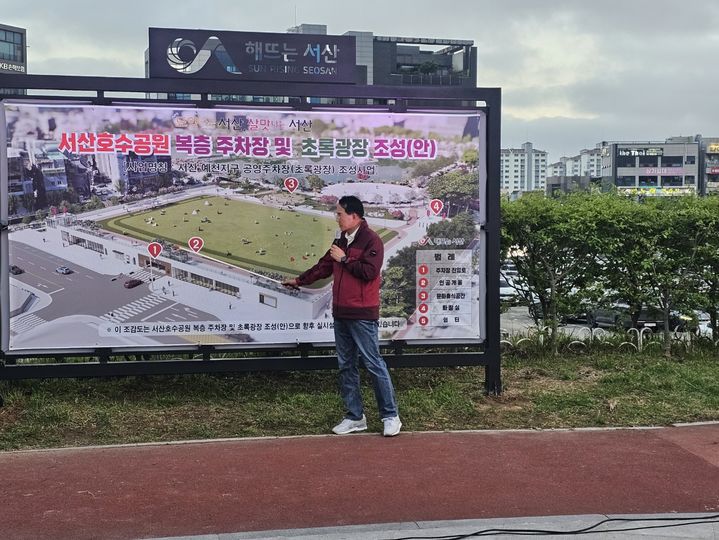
456	189
399	289
315	183
395	284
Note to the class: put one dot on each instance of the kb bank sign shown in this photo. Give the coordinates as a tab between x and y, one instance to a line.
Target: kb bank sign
251	56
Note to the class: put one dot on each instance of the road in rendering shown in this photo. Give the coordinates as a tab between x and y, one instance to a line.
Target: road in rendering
90	293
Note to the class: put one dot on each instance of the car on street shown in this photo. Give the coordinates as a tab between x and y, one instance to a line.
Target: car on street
507	292
578	316
15	270
704	324
130	283
617	316
63	270
508	270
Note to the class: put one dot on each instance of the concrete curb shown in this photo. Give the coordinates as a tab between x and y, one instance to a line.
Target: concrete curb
362	434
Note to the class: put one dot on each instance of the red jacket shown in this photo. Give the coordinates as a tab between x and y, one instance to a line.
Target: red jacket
355	289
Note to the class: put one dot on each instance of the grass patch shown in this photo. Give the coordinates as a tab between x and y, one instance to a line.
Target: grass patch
249	235
237	232
602	389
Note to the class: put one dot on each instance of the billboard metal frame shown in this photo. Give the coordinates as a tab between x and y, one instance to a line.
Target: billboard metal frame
298	96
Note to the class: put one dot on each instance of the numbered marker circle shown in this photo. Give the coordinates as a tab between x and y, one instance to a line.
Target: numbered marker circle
196	243
154	249
291	183
423	295
436	205
423	308
423	320
423	282
423	269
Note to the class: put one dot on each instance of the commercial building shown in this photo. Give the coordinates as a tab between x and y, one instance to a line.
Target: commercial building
12	49
268	296
398	61
13	57
378	60
710	165
132	174
523	169
19	184
653	168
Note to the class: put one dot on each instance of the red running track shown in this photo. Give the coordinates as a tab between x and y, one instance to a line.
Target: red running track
261	484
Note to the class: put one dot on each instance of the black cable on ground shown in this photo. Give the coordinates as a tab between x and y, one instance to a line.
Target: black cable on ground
682	522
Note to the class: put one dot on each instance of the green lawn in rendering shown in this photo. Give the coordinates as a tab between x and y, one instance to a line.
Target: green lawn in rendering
250	235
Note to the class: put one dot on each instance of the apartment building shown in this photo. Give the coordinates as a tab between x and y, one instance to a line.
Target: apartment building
575	172
523	169
587	163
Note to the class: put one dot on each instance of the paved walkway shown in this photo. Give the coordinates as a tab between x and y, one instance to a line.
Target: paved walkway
239	486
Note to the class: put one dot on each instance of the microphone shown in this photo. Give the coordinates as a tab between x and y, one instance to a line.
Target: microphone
338	235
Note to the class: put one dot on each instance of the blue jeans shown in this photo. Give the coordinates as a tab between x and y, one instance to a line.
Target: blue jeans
354	338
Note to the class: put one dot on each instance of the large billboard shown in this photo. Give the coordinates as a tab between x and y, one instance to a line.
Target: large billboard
161	227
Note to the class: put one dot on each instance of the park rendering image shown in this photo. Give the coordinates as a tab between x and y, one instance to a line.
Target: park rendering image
176	228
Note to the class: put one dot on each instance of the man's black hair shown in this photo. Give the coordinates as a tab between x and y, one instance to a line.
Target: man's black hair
352	205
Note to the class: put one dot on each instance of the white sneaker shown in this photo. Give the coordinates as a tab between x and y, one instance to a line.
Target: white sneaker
349	426
392	425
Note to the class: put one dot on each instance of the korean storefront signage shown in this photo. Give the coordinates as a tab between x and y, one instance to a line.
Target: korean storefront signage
640	151
11	67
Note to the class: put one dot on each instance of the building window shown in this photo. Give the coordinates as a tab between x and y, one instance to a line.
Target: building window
690	160
672	161
648	181
626	181
626	161
11	46
648	161
202	281
671	181
689	180
227	288
268	300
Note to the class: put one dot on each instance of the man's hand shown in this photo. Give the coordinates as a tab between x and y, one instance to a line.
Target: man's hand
291	283
336	253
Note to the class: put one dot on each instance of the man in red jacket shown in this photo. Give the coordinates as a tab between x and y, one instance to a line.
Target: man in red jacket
355	262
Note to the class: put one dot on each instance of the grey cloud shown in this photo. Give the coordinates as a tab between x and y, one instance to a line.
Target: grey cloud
87	66
653	74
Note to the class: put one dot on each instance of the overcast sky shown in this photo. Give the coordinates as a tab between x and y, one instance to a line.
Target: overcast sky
572	72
